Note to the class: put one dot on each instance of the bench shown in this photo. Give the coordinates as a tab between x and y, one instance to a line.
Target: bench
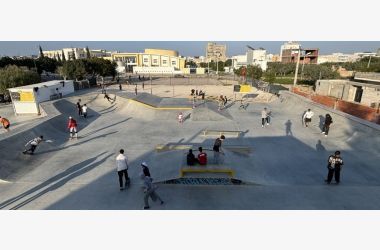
228	171
220	132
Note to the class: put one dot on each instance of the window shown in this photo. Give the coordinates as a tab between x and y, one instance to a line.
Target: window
155	61
146	60
164	61
174	62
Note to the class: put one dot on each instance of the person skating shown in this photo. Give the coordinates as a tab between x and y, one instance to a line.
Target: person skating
122	169
33	145
180	118
79	107
84	110
326	125
307	117
107	97
5	122
149	191
136	89
145	169
225	101
334	166
72	126
217	148
264	117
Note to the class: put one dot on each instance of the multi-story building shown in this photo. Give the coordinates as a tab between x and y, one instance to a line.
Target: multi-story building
273	58
252	57
151	61
289	46
378	52
308	56
77	53
216	52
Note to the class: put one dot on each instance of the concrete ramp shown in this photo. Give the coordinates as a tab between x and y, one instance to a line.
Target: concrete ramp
208	111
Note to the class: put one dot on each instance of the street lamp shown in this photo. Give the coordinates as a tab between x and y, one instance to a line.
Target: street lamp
303	63
298	64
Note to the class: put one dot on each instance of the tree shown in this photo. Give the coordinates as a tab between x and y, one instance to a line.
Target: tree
41	52
269	76
12	76
228	63
59	59
73	70
192	64
63	57
74	58
254	71
46	64
88	53
5	61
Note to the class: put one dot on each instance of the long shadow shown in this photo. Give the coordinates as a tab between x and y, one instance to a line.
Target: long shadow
69	174
76	144
109	126
113	105
109	111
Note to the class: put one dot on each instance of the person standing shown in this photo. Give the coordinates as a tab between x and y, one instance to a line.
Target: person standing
72	126
5	122
79	107
217	148
122	169
149	191
84	110
33	145
136	89
307	117
334	166
326	125
264	117
180	117
190	158
225	101
145	169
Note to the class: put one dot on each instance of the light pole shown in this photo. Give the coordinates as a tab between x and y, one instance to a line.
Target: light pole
369	61
303	64
298	64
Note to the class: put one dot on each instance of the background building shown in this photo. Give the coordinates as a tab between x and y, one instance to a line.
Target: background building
216	52
337	58
289	46
77	53
252	57
155	61
289	54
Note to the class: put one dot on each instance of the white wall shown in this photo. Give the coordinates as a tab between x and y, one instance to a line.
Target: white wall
155	70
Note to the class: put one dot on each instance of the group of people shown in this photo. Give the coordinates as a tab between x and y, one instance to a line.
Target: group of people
201	159
222	102
82	110
149	188
326	123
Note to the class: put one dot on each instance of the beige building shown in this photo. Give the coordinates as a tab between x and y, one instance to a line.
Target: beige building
152	60
77	53
216	52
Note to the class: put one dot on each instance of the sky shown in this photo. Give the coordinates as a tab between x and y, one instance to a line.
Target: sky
185	48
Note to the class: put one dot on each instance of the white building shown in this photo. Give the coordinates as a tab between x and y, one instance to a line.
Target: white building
26	99
338	58
77	53
252	57
289	45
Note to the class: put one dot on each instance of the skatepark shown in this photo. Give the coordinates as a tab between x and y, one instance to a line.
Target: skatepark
280	166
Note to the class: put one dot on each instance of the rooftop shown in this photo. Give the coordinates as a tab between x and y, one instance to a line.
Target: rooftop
40	85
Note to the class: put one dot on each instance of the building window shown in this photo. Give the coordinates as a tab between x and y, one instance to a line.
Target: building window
155	61
164	61
174	62
145	60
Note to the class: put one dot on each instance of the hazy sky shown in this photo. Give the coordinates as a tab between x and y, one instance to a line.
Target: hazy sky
189	48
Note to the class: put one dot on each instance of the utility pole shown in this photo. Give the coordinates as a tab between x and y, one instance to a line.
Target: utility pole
150	83
369	61
298	64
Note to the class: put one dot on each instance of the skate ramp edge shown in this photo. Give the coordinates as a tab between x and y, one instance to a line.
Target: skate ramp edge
292	97
157	107
227	171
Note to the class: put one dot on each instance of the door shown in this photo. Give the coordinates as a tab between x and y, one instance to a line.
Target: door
358	94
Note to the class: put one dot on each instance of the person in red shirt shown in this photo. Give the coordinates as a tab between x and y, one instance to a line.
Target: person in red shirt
5	122
202	157
72	126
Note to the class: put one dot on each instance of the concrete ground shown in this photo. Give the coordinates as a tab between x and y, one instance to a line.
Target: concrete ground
285	167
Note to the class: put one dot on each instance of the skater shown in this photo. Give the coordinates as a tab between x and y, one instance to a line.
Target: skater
122	169
107	97
149	191
136	89
84	110
196	92
225	101
220	102
202	157
139	78
79	107
145	169
180	118
218	148
334	166
326	125
143	85
190	158
307	117
264	117
5	122
120	88
72	126
33	145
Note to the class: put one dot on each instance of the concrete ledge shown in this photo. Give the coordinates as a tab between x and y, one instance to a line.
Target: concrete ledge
164	147
160	108
221	132
206	169
337	112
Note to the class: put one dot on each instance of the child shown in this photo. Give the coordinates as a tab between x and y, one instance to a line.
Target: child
84	110
180	118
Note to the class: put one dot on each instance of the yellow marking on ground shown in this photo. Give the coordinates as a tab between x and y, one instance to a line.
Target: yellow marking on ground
205	169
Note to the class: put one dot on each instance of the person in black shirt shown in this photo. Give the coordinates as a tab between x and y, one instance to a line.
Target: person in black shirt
326	125
190	158
334	166
217	148
145	169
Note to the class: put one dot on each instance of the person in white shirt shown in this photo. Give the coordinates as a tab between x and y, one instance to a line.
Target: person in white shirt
180	118
307	117
122	169
84	110
264	117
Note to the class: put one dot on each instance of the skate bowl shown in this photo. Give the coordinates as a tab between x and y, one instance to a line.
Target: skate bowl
208	111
